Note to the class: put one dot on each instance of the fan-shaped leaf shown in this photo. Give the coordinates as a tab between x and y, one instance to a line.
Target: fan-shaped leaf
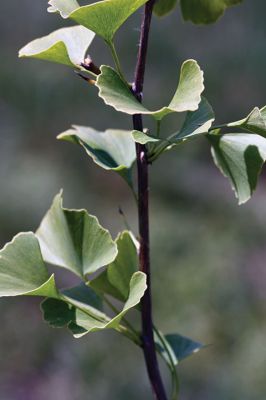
65	46
103	17
176	346
164	7
22	270
112	149
137	289
75	240
255	122
116	277
116	93
240	158
205	11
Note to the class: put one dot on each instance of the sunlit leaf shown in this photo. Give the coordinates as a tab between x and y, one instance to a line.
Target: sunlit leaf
22	270
205	11
103	17
116	93
75	240
255	122
65	46
137	289
240	158
116	277
163	7
112	149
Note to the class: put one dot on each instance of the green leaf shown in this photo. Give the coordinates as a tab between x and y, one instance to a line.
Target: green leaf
103	17
240	158
176	346
137	289
75	240
111	150
22	270
164	7
196	123
116	277
255	122
65	46
182	346
57	313
205	11
116	93
60	313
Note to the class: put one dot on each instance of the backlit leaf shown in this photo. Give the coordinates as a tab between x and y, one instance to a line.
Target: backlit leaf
205	11
163	7
103	17
240	158
116	277
75	240
137	289
65	46
22	270
255	122
111	150
116	93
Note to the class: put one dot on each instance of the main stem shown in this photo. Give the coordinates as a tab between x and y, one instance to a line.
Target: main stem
143	212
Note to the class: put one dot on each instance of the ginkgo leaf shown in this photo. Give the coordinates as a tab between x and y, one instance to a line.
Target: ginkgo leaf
116	93
164	7
196	123
240	158
137	289
111	150
116	277
176	346
255	122
65	46
75	240
103	17
22	269
205	11
59	313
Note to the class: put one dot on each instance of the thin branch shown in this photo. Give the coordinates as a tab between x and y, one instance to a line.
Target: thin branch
149	348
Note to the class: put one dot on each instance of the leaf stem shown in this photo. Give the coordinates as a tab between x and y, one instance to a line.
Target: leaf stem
116	60
149	347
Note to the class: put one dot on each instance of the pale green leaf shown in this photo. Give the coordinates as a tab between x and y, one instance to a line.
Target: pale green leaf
116	277
22	270
137	289
164	7
116	93
103	17
65	46
255	122
111	150
75	240
143	138
205	11
240	158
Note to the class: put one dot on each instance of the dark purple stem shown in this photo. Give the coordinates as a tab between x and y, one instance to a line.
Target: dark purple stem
143	211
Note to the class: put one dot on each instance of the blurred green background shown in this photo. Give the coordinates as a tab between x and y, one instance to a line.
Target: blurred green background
209	273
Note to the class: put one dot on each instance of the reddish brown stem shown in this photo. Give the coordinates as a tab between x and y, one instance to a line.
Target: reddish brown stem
143	211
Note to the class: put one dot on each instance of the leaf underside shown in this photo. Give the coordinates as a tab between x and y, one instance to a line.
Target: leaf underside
116	93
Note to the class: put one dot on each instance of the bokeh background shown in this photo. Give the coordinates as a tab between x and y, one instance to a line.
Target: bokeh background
209	272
